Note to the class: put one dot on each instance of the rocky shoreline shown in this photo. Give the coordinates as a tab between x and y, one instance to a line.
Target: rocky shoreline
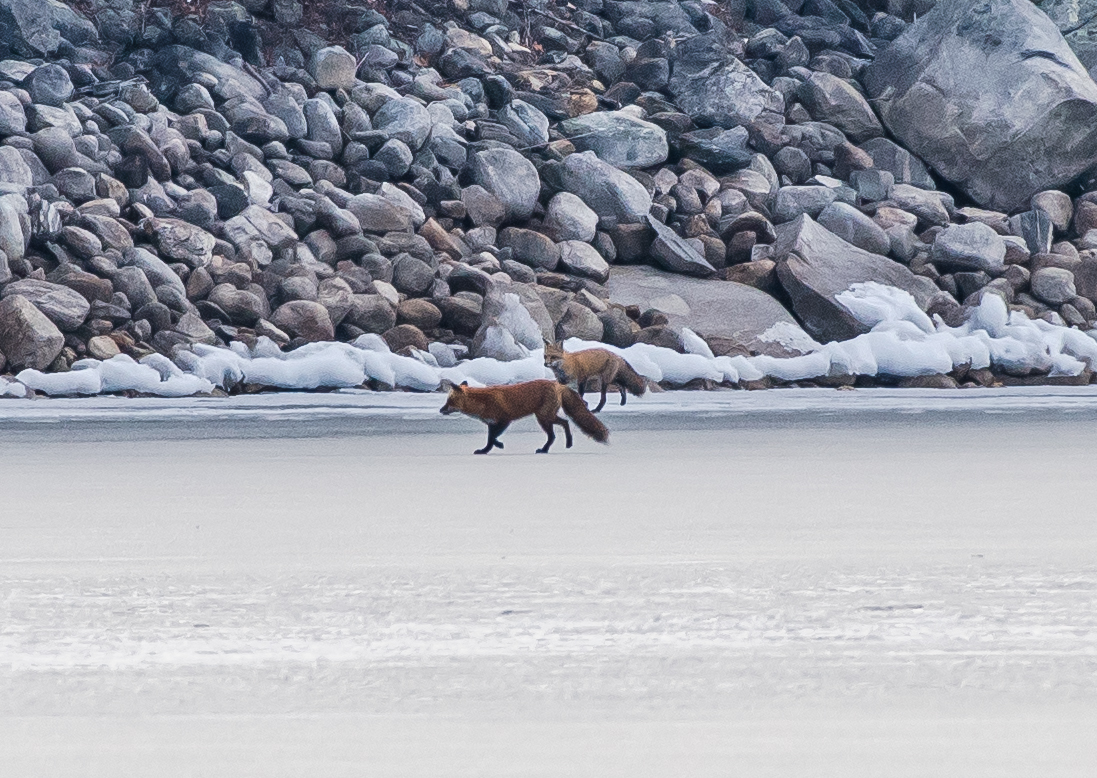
826	192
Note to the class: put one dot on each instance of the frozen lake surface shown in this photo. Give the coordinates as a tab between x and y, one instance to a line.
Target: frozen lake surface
800	582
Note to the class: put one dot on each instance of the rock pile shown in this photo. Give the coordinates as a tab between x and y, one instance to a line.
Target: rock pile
471	177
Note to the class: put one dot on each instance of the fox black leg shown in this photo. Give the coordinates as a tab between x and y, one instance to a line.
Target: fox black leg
622	389
494	431
567	430
602	402
547	427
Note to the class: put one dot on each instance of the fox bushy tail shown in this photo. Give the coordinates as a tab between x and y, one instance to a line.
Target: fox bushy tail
635	383
581	415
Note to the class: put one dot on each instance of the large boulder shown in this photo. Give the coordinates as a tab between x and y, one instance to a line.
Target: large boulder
715	88
27	337
614	195
991	96
63	306
618	137
748	319
511	178
814	266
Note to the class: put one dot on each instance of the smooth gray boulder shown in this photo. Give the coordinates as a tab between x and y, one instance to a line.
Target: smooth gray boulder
405	120
582	259
618	137
991	96
973	246
568	218
854	227
747	317
64	307
511	178
815	265
835	101
614	195
333	67
1053	285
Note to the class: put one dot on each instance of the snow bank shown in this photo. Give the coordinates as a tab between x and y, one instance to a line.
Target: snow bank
903	342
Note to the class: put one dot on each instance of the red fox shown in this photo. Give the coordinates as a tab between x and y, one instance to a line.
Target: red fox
498	406
581	366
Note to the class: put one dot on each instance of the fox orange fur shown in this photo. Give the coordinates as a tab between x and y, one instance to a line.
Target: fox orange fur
582	366
498	406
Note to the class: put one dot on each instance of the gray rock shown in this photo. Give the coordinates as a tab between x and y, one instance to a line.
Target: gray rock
525	122
511	178
872	185
719	150
568	218
183	242
336	295
372	313
49	85
195	97
395	156
614	195
484	209
14	226
618	137
989	93
243	307
814	266
835	101
903	166
75	184
530	248
1053	285
13	119
377	214
323	126
794	201
14	169
135	285
926	205
672	253
405	120
411	276
715	88
460	314
333	68
304	319
854	227
27	337
187	66
582	259
579	321
256	224
63	306
191	327
973	246
1057	205
745	317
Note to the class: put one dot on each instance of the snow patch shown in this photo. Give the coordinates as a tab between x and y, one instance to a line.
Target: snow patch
903	342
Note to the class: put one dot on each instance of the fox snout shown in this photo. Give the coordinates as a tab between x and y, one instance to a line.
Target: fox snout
446	410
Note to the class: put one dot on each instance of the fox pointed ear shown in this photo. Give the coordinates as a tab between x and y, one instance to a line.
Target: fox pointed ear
464	383
445	384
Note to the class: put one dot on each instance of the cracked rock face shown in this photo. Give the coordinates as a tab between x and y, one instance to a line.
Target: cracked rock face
991	96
